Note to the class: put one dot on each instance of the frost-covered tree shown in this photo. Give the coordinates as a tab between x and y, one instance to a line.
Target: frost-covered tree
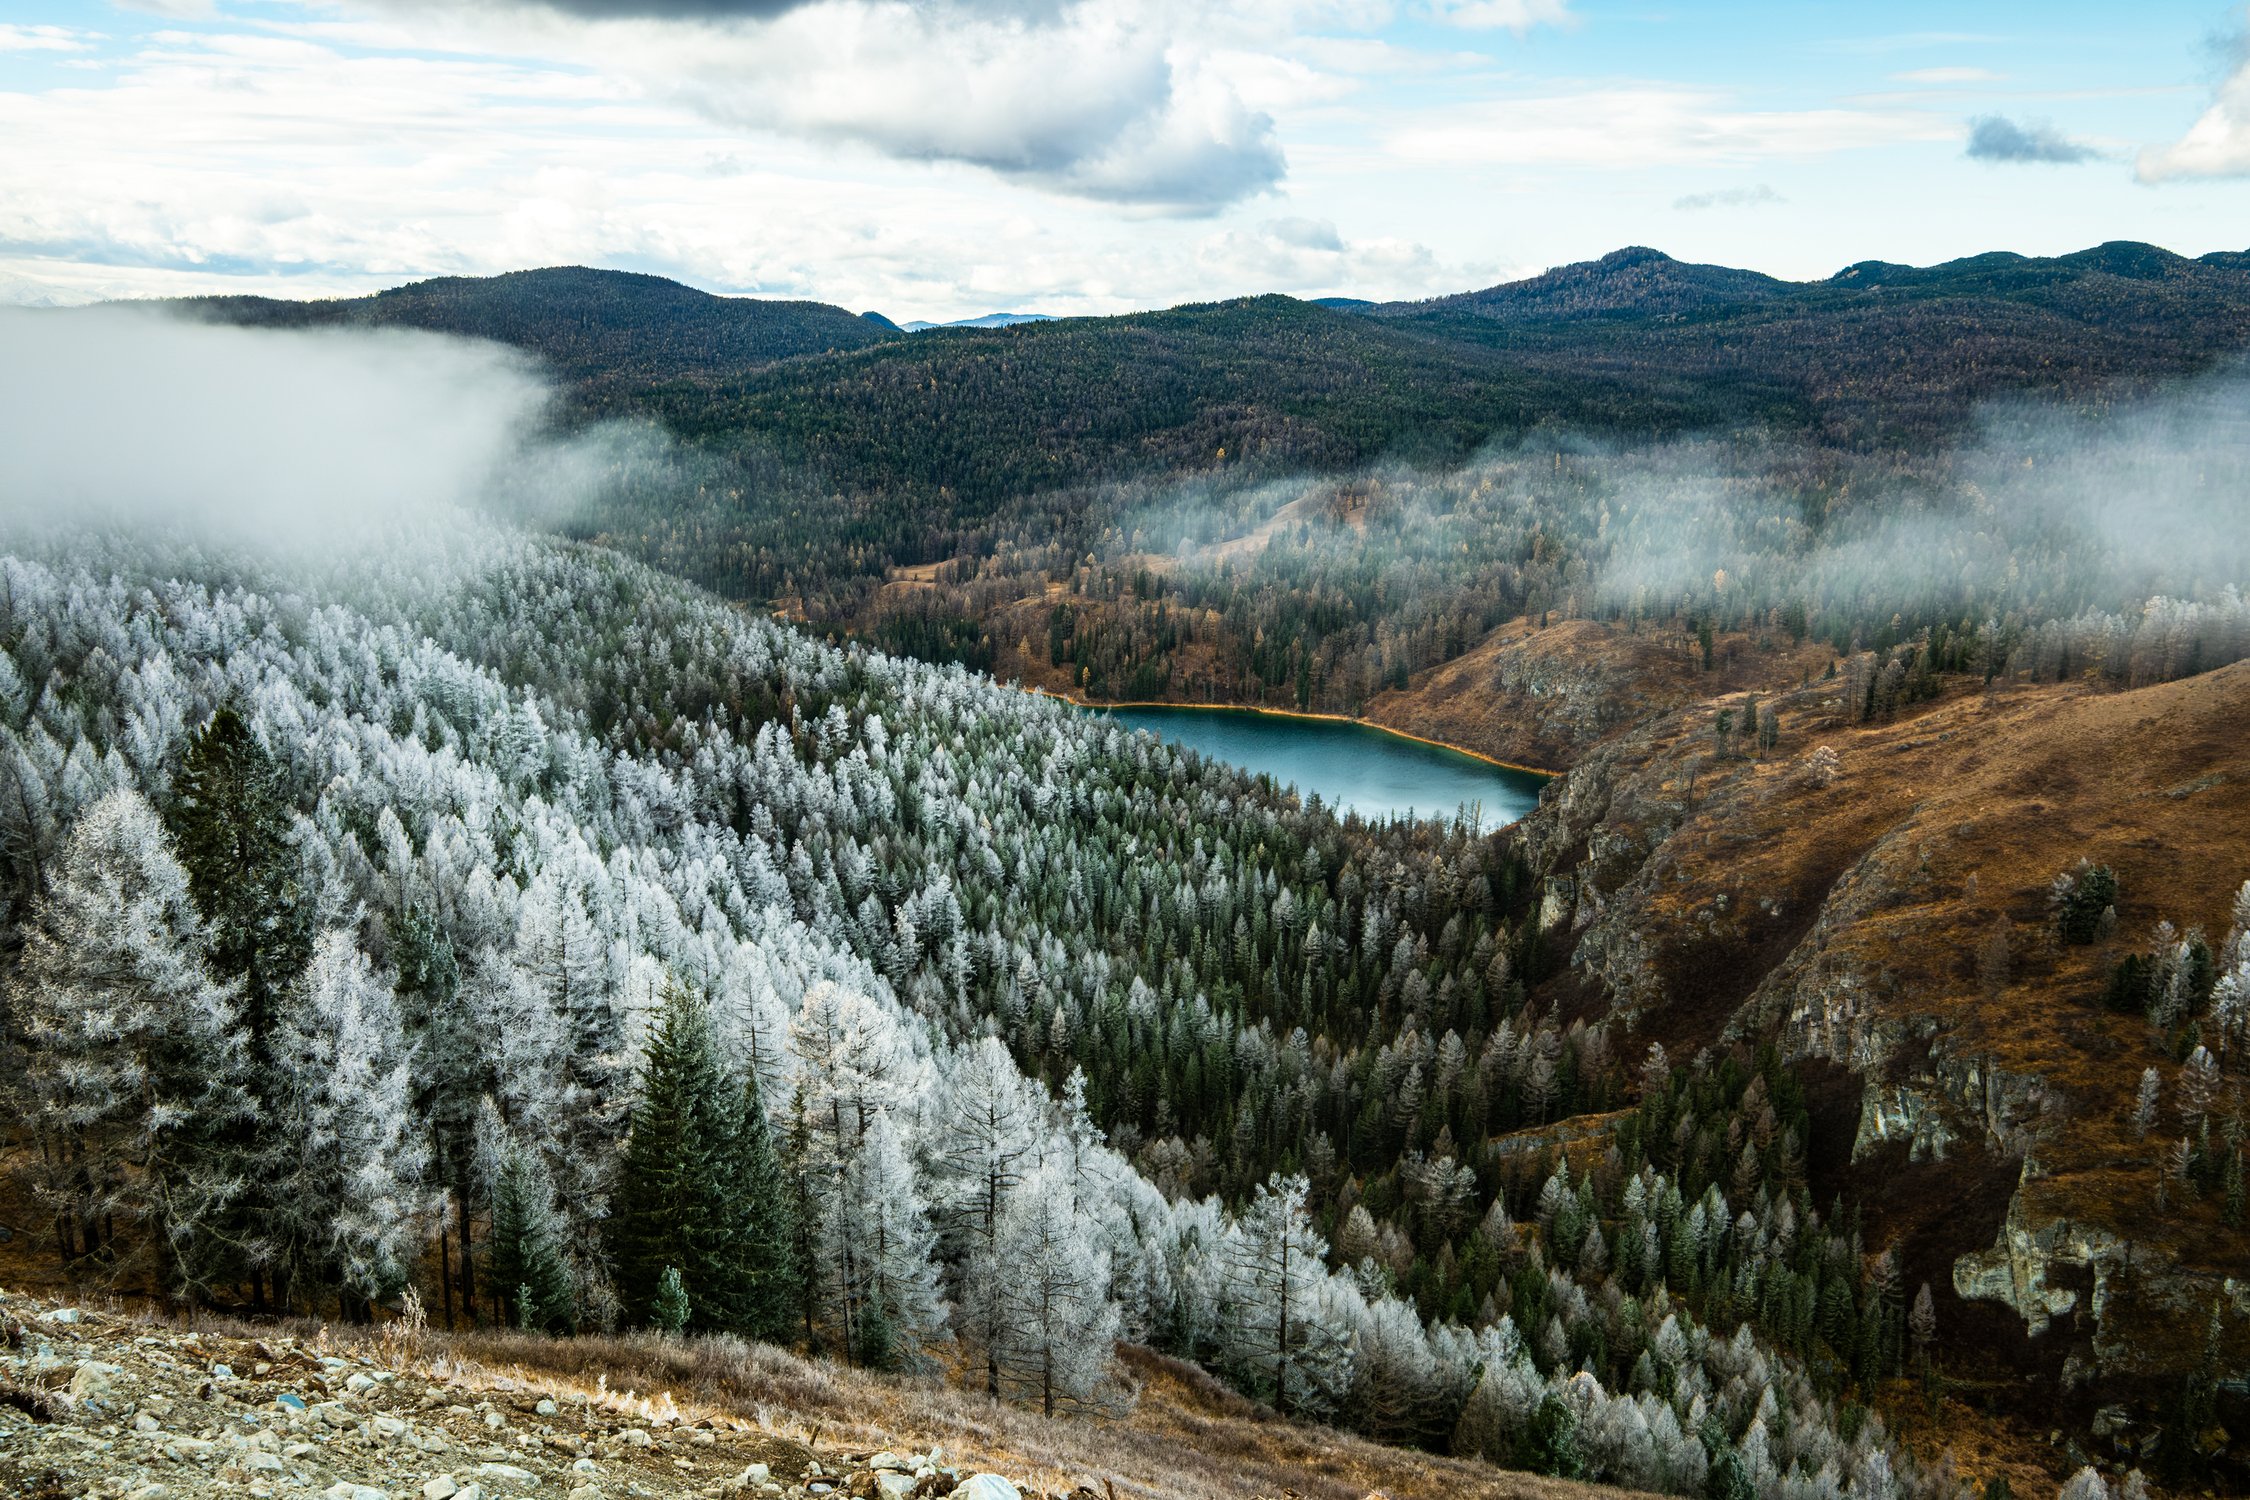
890	1307
1054	1321
347	1206
136	1083
1280	1324
985	1140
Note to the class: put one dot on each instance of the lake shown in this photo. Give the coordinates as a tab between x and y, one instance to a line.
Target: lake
1353	767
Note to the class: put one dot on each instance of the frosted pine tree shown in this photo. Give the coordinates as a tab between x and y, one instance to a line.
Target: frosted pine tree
986	1140
136	1080
1054	1324
1280	1333
881	1214
349	1195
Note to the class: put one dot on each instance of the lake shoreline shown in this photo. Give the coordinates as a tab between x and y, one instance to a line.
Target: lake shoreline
1291	713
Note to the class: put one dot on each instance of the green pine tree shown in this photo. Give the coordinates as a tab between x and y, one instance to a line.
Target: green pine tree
671	1207
524	1247
670	1310
702	1188
230	817
1549	1441
758	1251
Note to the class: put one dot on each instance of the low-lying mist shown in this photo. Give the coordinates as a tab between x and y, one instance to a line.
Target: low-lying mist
276	442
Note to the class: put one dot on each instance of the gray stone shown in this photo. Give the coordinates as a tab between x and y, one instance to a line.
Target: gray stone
146	1423
546	1406
893	1485
259	1458
508	1472
986	1487
443	1487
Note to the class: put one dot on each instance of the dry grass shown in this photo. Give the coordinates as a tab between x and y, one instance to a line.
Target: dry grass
1186	1438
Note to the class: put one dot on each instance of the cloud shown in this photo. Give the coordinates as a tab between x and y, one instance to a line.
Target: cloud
1757	196
1112	101
265	438
2218	143
1647	125
1997	138
1518	16
43	39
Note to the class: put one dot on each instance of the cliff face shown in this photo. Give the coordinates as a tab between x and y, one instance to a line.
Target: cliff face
1874	898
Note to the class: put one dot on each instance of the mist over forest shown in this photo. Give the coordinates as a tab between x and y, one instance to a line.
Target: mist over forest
418	886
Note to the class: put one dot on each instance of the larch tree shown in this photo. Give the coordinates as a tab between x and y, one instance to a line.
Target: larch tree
894	1308
1054	1321
1279	1328
348	1194
986	1139
136	1085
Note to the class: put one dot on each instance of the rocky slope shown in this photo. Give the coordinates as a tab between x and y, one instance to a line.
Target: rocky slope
117	1404
1874	898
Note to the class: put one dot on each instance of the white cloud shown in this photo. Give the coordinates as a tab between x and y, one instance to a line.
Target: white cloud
1758	195
43	39
1943	76
2216	145
1648	125
1108	100
1518	16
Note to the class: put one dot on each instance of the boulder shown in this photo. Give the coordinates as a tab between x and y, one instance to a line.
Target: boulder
985	1487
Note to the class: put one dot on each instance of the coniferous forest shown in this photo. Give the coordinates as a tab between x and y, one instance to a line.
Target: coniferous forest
511	925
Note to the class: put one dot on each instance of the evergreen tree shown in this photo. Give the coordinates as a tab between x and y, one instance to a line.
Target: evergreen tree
669	1311
230	814
1549	1442
672	1205
700	1186
136	1084
759	1253
524	1252
347	1195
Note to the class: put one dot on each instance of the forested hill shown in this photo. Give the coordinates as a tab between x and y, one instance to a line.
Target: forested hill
1636	344
1877	356
601	327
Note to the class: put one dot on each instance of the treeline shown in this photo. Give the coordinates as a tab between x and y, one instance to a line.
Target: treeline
507	924
2013	560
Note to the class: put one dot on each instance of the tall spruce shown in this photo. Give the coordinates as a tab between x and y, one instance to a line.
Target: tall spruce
701	1188
230	821
669	1205
759	1251
525	1254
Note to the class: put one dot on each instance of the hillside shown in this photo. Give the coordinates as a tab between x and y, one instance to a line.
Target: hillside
310	1408
596	328
1636	283
1879	354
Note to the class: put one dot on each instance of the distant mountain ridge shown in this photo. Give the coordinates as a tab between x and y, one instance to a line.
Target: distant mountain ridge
1636	281
988	320
592	325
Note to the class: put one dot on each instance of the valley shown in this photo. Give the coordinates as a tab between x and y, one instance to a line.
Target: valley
653	886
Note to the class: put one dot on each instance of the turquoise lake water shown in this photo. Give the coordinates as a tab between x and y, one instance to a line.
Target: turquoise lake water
1353	767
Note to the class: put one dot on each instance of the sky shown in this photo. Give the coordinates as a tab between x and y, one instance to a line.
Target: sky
940	159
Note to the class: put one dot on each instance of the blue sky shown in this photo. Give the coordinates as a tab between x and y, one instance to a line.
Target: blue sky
941	158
